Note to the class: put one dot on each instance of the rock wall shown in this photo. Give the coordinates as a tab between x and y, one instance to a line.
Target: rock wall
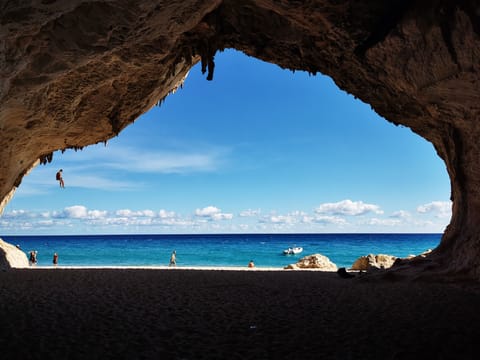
77	72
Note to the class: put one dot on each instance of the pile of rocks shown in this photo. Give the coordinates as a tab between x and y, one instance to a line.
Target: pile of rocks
380	261
315	261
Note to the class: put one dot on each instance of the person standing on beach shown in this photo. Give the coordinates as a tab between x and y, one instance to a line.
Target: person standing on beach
251	264
173	259
55	259
32	258
60	178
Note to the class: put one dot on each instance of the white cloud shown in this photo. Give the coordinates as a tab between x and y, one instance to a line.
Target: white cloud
177	222
307	219
95	214
75	215
207	211
279	219
332	216
348	207
173	163
22	225
282	219
112	221
249	213
213	213
179	160
81	212
130	213
297	213
333	220
401	214
17	214
164	214
382	222
222	216
75	212
47	223
161	214
292	218
441	209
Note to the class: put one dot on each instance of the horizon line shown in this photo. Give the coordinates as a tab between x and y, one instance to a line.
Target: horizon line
223	234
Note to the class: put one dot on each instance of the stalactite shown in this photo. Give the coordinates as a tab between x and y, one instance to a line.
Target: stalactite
187	54
160	102
211	67
172	91
45	159
207	54
208	63
114	122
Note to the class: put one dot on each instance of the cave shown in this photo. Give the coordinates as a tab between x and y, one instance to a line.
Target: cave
77	73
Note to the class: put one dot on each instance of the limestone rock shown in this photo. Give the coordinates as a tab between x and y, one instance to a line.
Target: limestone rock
315	261
11	257
380	261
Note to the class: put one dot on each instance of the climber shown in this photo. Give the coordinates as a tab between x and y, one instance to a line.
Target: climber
60	178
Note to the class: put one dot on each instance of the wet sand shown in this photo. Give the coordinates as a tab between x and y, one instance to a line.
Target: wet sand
203	314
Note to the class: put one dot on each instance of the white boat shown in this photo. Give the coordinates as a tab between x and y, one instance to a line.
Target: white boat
293	251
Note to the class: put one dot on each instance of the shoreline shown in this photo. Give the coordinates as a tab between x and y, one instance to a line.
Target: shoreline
172	268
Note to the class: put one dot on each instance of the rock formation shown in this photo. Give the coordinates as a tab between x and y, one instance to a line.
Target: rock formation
315	261
74	73
380	261
11	257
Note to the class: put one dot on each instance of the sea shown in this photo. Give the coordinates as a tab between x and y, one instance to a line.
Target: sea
219	250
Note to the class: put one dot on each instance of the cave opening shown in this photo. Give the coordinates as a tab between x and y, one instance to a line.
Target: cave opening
258	150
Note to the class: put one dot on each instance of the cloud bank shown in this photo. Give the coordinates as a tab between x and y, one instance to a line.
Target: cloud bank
342	216
348	207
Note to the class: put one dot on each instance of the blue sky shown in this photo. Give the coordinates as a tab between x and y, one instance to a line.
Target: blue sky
258	149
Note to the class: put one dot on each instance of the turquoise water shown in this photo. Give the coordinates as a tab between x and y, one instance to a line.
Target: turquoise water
217	250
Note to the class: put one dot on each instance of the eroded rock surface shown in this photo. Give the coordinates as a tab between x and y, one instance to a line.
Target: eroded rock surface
75	73
11	257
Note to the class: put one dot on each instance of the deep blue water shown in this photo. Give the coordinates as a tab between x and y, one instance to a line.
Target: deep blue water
217	250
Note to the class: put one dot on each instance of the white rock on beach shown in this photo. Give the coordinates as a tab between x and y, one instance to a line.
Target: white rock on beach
315	261
380	261
11	257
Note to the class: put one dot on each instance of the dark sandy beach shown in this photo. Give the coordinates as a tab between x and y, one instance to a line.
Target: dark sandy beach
193	314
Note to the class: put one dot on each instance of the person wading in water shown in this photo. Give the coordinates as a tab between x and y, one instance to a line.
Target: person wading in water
173	259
